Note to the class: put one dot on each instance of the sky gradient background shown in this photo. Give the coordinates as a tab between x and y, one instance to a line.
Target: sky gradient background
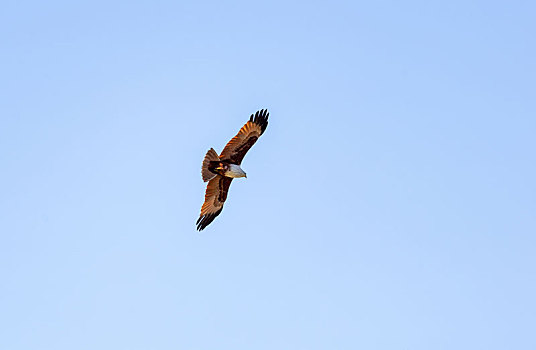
389	205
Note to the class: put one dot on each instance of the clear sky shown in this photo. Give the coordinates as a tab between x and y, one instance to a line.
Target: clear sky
391	203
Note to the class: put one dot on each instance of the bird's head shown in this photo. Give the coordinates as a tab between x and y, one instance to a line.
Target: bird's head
242	173
236	171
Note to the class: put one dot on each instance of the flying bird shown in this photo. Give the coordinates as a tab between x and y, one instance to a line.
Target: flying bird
220	170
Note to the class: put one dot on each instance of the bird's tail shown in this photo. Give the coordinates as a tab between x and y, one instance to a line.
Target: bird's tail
211	156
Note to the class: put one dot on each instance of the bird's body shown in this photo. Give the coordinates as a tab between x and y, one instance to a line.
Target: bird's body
220	170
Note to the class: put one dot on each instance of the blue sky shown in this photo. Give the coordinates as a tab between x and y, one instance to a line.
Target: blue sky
389	205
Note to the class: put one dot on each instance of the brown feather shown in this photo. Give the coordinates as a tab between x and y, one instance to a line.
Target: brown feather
211	156
215	197
236	149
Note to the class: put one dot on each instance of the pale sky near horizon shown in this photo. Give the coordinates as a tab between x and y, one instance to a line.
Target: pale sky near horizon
390	203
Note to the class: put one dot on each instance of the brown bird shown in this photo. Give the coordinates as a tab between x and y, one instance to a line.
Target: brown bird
220	170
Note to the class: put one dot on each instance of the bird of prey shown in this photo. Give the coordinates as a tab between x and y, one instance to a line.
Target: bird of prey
220	170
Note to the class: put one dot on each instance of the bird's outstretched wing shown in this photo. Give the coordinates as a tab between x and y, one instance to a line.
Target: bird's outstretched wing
236	149
215	196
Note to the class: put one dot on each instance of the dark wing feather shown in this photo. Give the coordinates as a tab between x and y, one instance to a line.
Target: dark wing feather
215	197
236	149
